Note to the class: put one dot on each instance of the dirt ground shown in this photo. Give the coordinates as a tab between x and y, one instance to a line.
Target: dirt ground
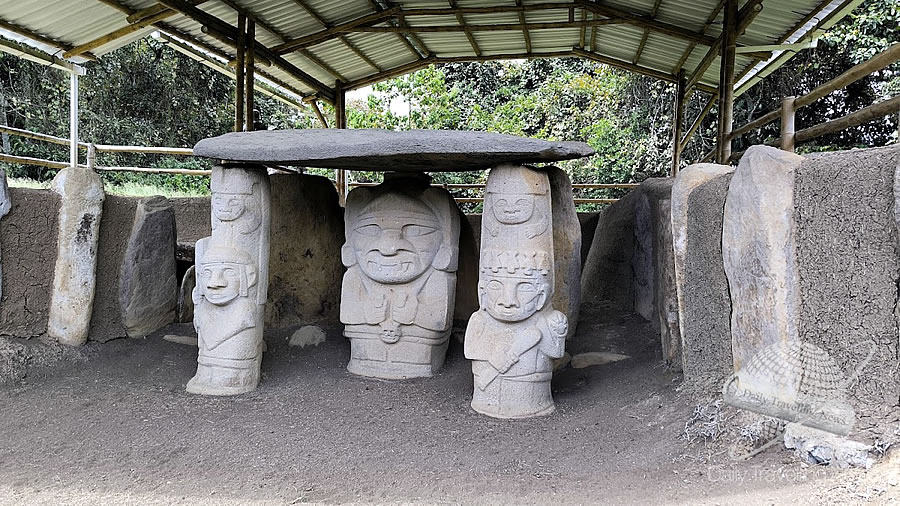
118	428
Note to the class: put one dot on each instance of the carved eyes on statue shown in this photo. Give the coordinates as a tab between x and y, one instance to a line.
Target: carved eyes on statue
417	230
495	285
526	291
369	230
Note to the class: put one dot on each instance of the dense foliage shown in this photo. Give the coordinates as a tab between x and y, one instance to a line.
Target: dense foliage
146	94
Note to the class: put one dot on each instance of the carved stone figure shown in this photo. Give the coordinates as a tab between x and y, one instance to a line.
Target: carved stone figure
515	334
231	279
398	292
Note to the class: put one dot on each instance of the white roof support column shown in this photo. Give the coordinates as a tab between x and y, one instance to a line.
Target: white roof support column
73	119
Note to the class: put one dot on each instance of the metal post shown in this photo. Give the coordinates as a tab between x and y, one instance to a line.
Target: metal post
678	123
787	123
726	81
239	74
73	119
249	62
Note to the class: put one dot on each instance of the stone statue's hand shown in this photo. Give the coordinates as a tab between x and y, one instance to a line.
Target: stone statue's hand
558	323
511	359
376	309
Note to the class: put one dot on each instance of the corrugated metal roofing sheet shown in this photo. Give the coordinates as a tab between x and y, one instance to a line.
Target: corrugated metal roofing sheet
76	22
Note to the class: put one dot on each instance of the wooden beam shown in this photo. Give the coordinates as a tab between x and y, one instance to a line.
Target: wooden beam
146	13
460	18
349	45
239	68
390	73
40	57
864	115
709	22
215	24
726	81
483	28
406	39
624	65
314	104
678	123
746	16
117	34
525	33
329	33
498	9
653	12
31	34
647	22
250	40
696	124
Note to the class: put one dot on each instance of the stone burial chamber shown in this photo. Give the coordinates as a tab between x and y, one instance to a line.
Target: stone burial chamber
402	253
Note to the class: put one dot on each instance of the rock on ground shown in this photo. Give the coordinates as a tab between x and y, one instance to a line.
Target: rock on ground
309	335
815	446
148	282
591	358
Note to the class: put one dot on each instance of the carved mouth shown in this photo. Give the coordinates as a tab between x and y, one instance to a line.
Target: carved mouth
390	269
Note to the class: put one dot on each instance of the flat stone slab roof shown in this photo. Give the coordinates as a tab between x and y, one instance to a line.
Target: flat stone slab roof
387	150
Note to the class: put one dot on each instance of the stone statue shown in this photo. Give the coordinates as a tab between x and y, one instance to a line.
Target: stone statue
397	297
231	278
515	334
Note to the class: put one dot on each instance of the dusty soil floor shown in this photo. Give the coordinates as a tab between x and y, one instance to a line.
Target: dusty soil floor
118	428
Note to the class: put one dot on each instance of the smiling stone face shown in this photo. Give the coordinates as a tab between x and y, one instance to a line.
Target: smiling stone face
223	274
228	207
512	299
513	209
397	243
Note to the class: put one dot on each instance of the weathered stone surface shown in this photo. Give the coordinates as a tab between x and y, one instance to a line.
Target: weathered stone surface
642	259
232	278
705	310
107	322
305	267
397	297
81	193
849	267
608	273
5	206
185	340
467	269
819	447
666	290
592	358
192	218
148	283
308	335
760	252
185	305
28	241
561	362
374	149
515	335
686	182
566	248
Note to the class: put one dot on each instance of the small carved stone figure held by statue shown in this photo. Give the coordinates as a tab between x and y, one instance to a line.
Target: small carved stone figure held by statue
397	297
515	335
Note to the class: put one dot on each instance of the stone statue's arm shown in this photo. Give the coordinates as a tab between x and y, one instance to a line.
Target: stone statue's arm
554	344
355	309
523	342
435	307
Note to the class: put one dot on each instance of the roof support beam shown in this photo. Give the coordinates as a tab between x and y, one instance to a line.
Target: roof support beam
525	33
690	49
484	28
31	34
315	15
612	62
462	21
330	33
746	16
29	53
217	25
653	12
118	34
726	81
647	22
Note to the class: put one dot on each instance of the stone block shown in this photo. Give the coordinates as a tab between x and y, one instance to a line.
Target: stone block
760	252
608	272
397	296
148	282
566	248
74	276
115	230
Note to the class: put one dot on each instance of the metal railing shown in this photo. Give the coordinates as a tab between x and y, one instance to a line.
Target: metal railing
789	105
481	186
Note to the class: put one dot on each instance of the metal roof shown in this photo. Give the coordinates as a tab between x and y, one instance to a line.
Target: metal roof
305	46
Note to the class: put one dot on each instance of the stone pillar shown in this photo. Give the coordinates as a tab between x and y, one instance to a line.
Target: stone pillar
232	274
74	278
566	247
397	296
514	336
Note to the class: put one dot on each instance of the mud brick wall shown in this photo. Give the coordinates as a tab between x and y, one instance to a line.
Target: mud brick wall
28	248
706	329
849	265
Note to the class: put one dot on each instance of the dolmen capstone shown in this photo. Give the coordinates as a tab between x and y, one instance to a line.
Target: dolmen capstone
515	333
401	252
398	293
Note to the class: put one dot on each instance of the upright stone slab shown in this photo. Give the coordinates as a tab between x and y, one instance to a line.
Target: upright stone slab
705	310
397	297
608	273
148	282
74	277
566	247
642	259
232	280
514	336
666	290
759	251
